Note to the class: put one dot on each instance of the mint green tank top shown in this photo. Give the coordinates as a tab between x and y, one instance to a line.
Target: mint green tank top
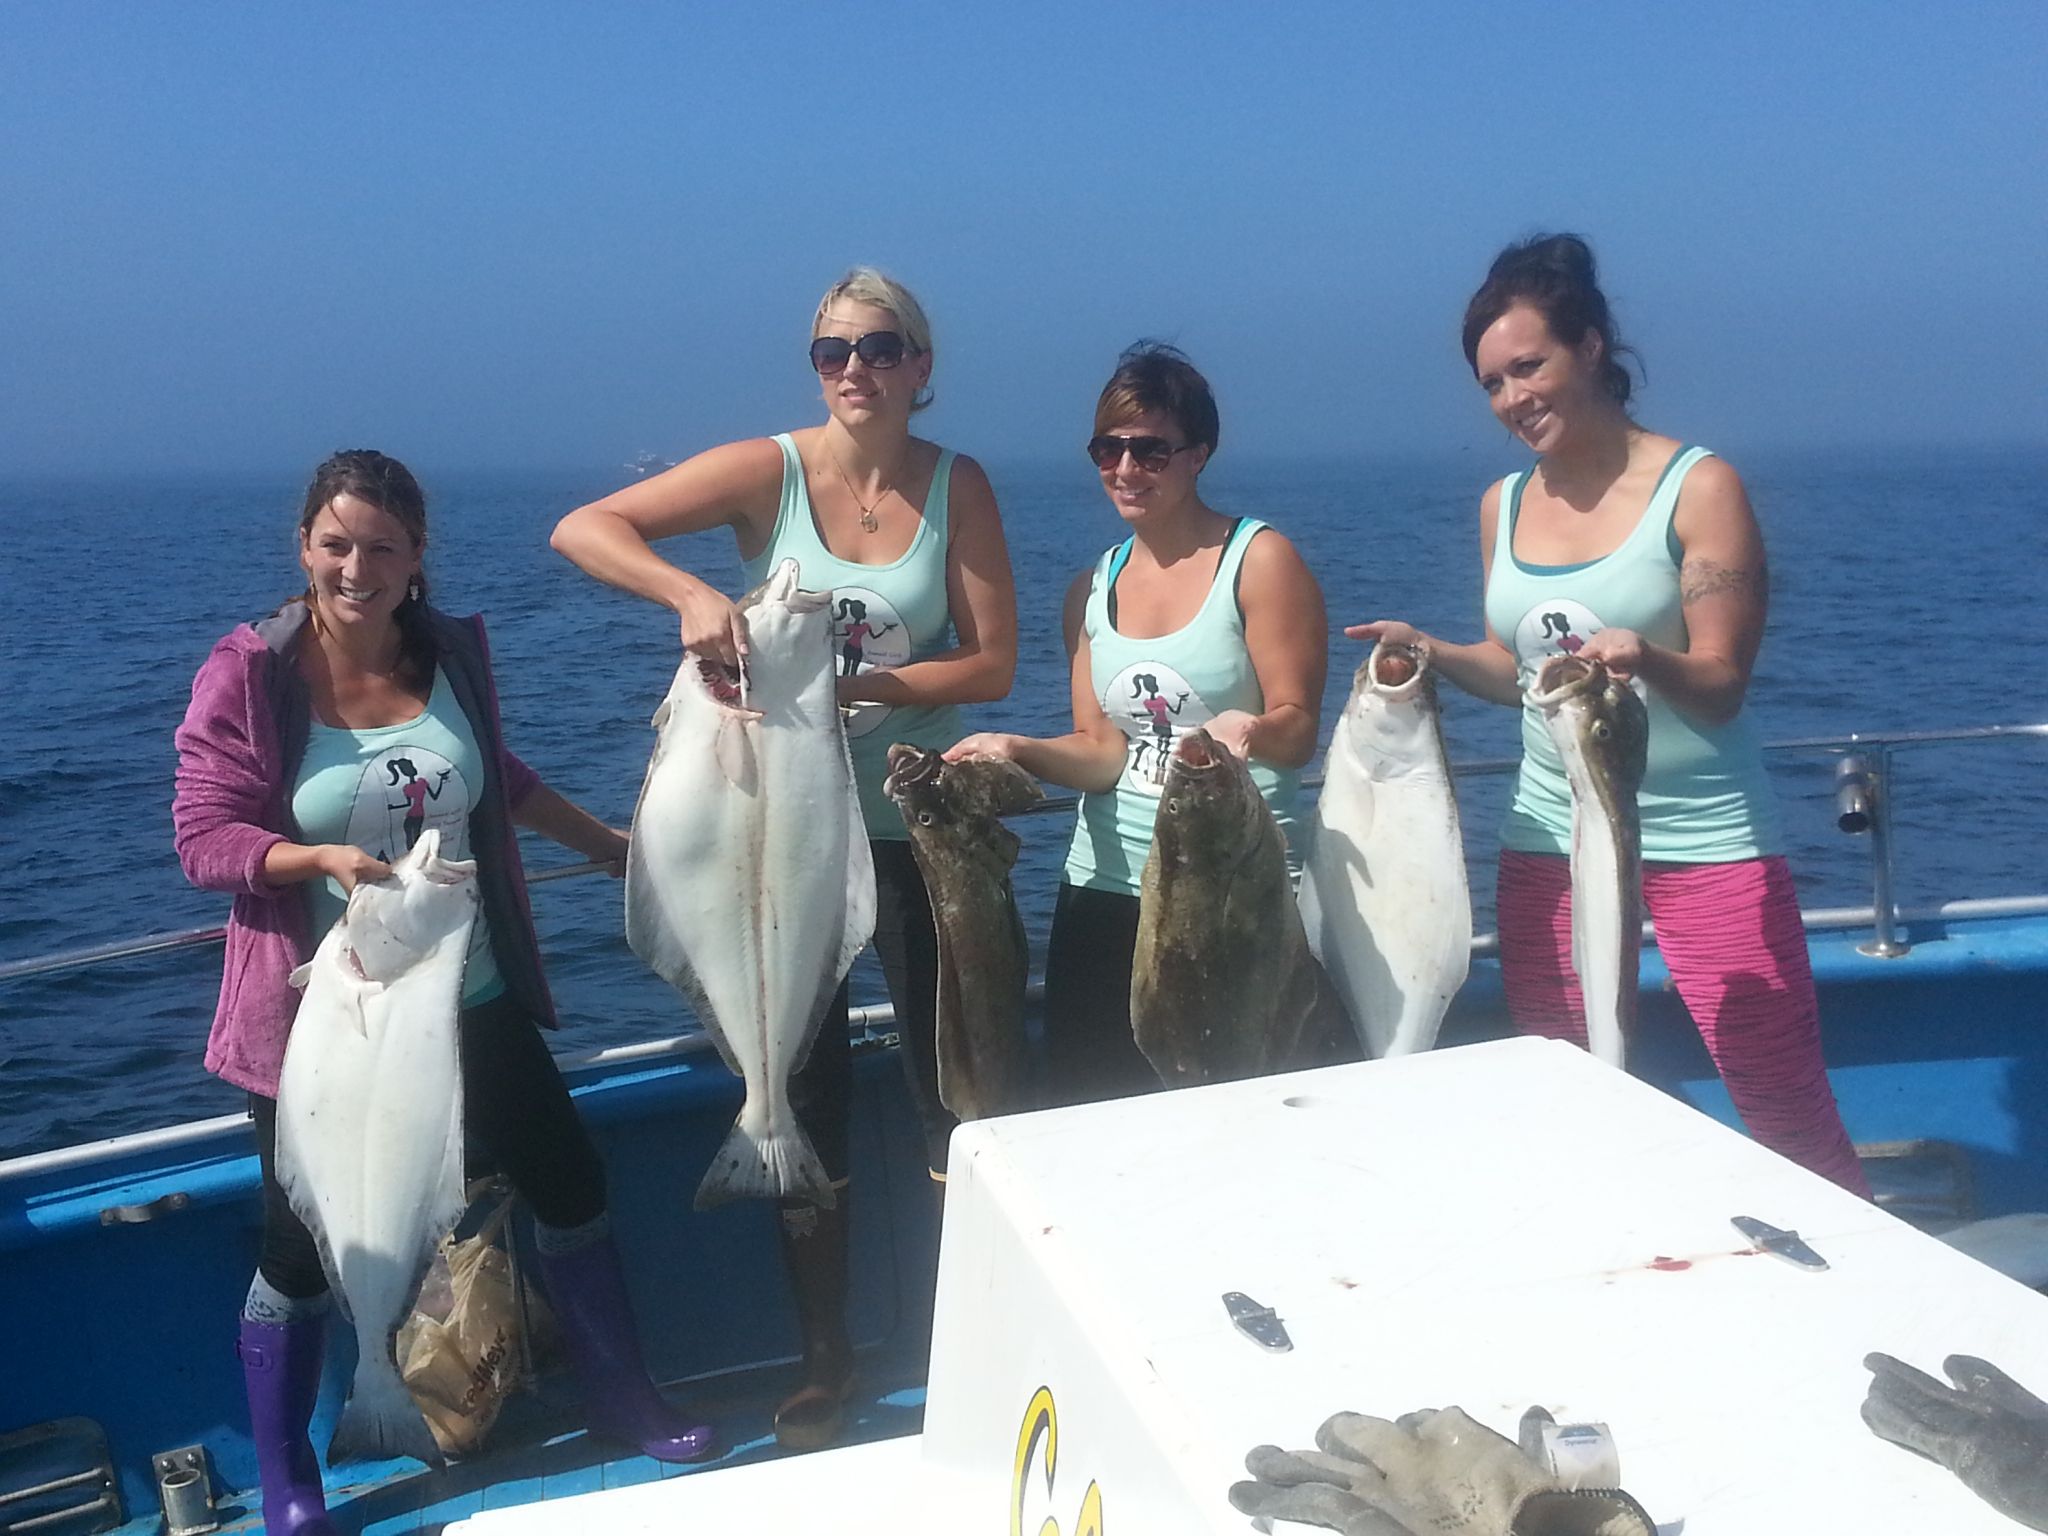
882	616
1153	690
1705	796
379	789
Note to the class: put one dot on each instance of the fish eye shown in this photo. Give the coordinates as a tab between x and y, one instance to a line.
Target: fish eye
1602	730
925	818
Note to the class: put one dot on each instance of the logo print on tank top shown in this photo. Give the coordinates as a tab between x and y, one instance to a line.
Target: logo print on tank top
1152	705
1555	627
868	635
403	791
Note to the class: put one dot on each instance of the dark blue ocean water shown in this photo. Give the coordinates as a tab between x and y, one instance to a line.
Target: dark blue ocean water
1906	595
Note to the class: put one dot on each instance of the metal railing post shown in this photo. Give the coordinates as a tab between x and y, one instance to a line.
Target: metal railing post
1863	804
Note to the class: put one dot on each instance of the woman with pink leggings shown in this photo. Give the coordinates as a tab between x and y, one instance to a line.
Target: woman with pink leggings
1632	549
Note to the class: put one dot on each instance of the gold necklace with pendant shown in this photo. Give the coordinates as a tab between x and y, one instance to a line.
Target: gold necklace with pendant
868	520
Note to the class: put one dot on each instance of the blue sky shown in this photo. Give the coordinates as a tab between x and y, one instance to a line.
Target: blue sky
239	235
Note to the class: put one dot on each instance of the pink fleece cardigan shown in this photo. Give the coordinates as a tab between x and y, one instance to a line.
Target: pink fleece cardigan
232	807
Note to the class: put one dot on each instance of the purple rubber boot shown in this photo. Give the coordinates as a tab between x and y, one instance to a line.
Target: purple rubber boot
281	1368
587	1289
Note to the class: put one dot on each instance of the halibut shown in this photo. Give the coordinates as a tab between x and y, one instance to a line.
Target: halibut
1223	985
369	1120
953	812
1384	895
749	884
1602	732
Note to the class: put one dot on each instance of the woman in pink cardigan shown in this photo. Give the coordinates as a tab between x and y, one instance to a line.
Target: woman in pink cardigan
304	733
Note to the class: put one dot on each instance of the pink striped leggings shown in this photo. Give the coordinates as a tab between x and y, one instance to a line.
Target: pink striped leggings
1731	938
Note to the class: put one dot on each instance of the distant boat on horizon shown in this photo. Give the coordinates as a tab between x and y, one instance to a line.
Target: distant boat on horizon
644	464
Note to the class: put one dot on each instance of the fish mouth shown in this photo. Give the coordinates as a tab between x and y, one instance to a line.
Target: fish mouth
726	684
1393	667
1199	752
910	765
1565	677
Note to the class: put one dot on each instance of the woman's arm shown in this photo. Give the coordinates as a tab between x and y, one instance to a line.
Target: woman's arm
294	863
563	821
1724	590
1484	668
222	796
1090	757
982	599
1287	633
736	486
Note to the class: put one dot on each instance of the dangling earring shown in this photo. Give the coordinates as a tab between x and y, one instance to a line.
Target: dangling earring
412	591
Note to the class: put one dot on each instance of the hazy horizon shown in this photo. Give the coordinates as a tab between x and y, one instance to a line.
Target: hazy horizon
520	238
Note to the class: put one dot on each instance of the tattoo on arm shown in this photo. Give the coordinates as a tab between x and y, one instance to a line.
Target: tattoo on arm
1699	578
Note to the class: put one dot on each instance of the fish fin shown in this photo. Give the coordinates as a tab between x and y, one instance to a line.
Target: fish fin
734	748
780	1165
301	976
860	890
952	1058
381	1421
661	714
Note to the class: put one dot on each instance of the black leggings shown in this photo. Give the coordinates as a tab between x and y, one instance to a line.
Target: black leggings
514	1103
907	945
1090	1053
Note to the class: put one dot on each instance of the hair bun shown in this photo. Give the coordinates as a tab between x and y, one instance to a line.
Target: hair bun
1561	255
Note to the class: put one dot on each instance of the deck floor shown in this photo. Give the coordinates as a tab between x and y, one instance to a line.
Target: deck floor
528	1463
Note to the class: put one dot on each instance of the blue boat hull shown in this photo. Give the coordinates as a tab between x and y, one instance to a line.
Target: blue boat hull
131	1322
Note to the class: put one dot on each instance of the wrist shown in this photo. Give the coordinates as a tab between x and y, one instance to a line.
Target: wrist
680	589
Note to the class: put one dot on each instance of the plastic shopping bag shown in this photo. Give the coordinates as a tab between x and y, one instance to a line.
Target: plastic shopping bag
465	1348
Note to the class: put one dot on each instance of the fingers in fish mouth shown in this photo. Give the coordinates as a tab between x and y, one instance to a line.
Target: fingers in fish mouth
725	683
1561	676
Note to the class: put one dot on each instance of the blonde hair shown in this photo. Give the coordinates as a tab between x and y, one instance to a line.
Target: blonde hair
871	285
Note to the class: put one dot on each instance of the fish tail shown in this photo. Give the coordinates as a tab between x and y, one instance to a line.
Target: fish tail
381	1421
780	1165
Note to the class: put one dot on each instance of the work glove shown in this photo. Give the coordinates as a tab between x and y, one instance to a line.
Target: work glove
1987	1429
1433	1473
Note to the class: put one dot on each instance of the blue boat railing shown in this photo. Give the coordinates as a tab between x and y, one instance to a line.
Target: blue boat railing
1863	782
1863	806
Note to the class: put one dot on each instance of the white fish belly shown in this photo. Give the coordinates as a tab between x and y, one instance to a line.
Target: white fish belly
1603	953
1384	895
738	897
369	1135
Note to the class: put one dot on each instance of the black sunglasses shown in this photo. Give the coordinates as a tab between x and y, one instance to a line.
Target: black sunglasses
878	349
1150	454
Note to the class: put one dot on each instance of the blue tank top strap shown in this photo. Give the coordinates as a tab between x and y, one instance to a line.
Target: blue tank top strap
1118	559
1663	507
796	498
1231	565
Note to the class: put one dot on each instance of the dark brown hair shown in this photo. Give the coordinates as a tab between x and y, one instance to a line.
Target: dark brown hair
387	485
1153	376
1555	276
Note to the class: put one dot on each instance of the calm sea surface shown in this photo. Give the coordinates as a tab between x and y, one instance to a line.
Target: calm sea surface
1906	594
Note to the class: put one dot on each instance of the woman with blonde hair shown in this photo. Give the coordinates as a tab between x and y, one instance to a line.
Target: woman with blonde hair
906	535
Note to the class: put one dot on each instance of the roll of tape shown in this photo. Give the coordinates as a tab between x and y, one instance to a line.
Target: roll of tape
1582	1455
